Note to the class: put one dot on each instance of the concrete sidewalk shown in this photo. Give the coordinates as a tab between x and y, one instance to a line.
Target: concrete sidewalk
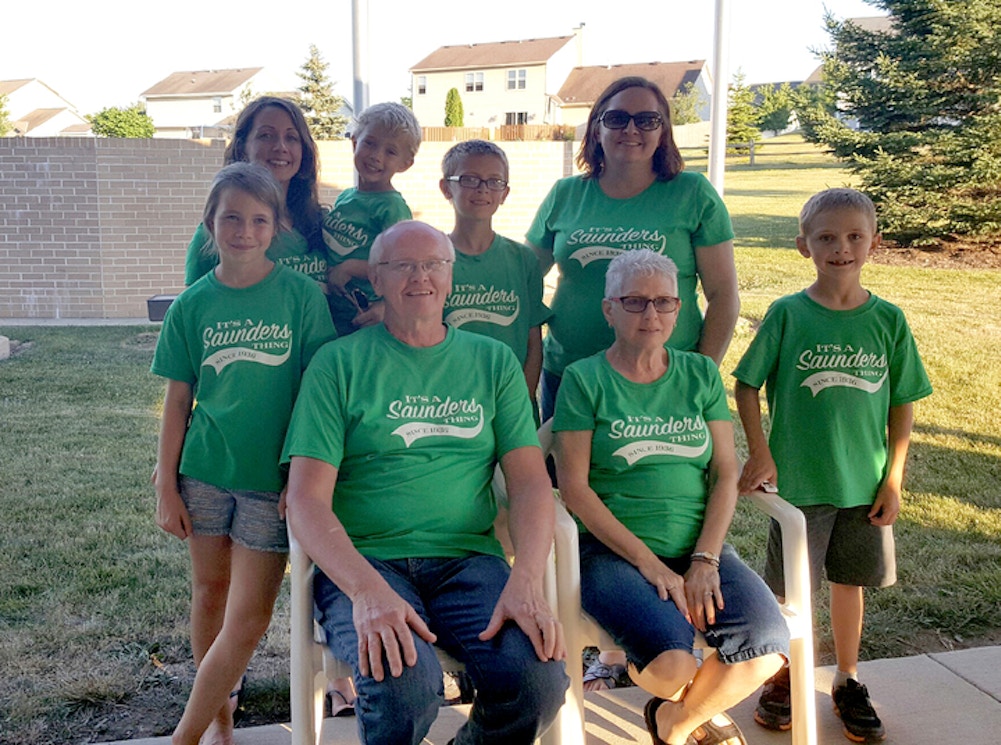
949	697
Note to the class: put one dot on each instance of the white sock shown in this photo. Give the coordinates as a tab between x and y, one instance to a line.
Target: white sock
841	678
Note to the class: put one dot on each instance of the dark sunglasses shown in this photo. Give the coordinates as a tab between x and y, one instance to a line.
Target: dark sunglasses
619	119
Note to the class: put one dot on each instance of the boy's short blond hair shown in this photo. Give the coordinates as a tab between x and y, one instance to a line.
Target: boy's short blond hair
450	163
830	200
394	118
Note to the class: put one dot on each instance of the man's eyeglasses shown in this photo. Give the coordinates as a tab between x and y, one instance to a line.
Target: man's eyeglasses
619	119
409	268
468	181
634	304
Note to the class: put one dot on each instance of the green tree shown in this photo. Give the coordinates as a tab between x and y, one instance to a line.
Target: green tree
6	125
317	99
776	107
407	101
741	117
116	121
686	106
453	108
926	95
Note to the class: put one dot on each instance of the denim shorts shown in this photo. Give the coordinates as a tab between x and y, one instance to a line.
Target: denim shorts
249	518
628	607
841	542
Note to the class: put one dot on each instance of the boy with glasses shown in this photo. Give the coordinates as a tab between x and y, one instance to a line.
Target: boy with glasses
497	283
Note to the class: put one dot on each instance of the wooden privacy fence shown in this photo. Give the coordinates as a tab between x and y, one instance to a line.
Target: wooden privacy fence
504	133
455	134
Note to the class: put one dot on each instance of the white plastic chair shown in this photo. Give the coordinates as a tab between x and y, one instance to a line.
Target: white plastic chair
312	663
582	631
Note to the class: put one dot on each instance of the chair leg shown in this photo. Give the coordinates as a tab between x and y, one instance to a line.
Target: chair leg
803	700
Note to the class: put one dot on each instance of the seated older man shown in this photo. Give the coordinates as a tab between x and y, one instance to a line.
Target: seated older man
399	427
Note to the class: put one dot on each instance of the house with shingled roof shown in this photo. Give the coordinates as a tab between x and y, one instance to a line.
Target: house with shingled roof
38	111
506	82
584	84
197	104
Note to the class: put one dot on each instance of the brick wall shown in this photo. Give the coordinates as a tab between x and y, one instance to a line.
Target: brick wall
91	228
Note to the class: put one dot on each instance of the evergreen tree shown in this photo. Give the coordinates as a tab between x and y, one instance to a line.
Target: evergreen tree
122	122
775	108
453	108
5	123
319	103
742	117
686	105
926	96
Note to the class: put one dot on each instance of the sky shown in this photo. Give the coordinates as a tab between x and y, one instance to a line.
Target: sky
104	54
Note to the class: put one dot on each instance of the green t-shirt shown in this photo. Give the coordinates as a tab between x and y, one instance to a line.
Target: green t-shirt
830	378
498	294
349	230
289	247
585	229
415	434
651	446
243	351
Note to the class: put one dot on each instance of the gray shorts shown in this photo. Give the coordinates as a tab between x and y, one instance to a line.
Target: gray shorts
843	543
249	518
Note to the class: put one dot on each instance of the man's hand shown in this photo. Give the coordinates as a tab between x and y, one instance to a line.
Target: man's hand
522	602
386	623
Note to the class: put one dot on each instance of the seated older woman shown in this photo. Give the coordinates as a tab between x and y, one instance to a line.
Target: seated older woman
403	423
646	461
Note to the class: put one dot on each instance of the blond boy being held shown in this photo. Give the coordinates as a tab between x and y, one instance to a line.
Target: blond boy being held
841	372
385	140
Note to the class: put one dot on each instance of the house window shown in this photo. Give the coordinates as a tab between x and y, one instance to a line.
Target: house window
516	117
516	79
474	81
422	85
217	104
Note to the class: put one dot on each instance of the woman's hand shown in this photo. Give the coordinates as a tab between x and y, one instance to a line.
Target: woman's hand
703	592
670	585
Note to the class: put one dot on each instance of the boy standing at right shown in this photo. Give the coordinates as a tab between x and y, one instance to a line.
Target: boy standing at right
841	371
384	141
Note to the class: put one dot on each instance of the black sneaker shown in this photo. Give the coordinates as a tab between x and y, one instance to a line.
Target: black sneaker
774	709
859	719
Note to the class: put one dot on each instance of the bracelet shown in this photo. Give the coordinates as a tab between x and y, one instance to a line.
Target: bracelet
707	557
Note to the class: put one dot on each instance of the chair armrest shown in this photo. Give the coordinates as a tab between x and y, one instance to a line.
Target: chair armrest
795	556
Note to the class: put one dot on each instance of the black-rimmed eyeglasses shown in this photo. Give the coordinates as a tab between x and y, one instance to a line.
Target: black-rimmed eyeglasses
619	119
468	181
635	304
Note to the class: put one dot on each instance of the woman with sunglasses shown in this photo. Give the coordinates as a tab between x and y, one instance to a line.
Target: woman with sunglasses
633	193
646	461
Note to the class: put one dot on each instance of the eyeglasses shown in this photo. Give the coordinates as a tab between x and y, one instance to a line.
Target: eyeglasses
634	304
619	119
468	181
409	268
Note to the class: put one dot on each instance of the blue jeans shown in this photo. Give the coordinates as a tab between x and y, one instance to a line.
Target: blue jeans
517	695
620	599
549	385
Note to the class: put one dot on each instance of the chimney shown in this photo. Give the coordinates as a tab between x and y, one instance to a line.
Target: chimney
579	33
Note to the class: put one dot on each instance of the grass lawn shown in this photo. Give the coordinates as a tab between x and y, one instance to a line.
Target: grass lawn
93	597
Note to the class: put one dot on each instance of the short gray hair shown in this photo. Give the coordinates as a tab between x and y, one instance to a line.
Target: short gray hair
387	236
641	262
